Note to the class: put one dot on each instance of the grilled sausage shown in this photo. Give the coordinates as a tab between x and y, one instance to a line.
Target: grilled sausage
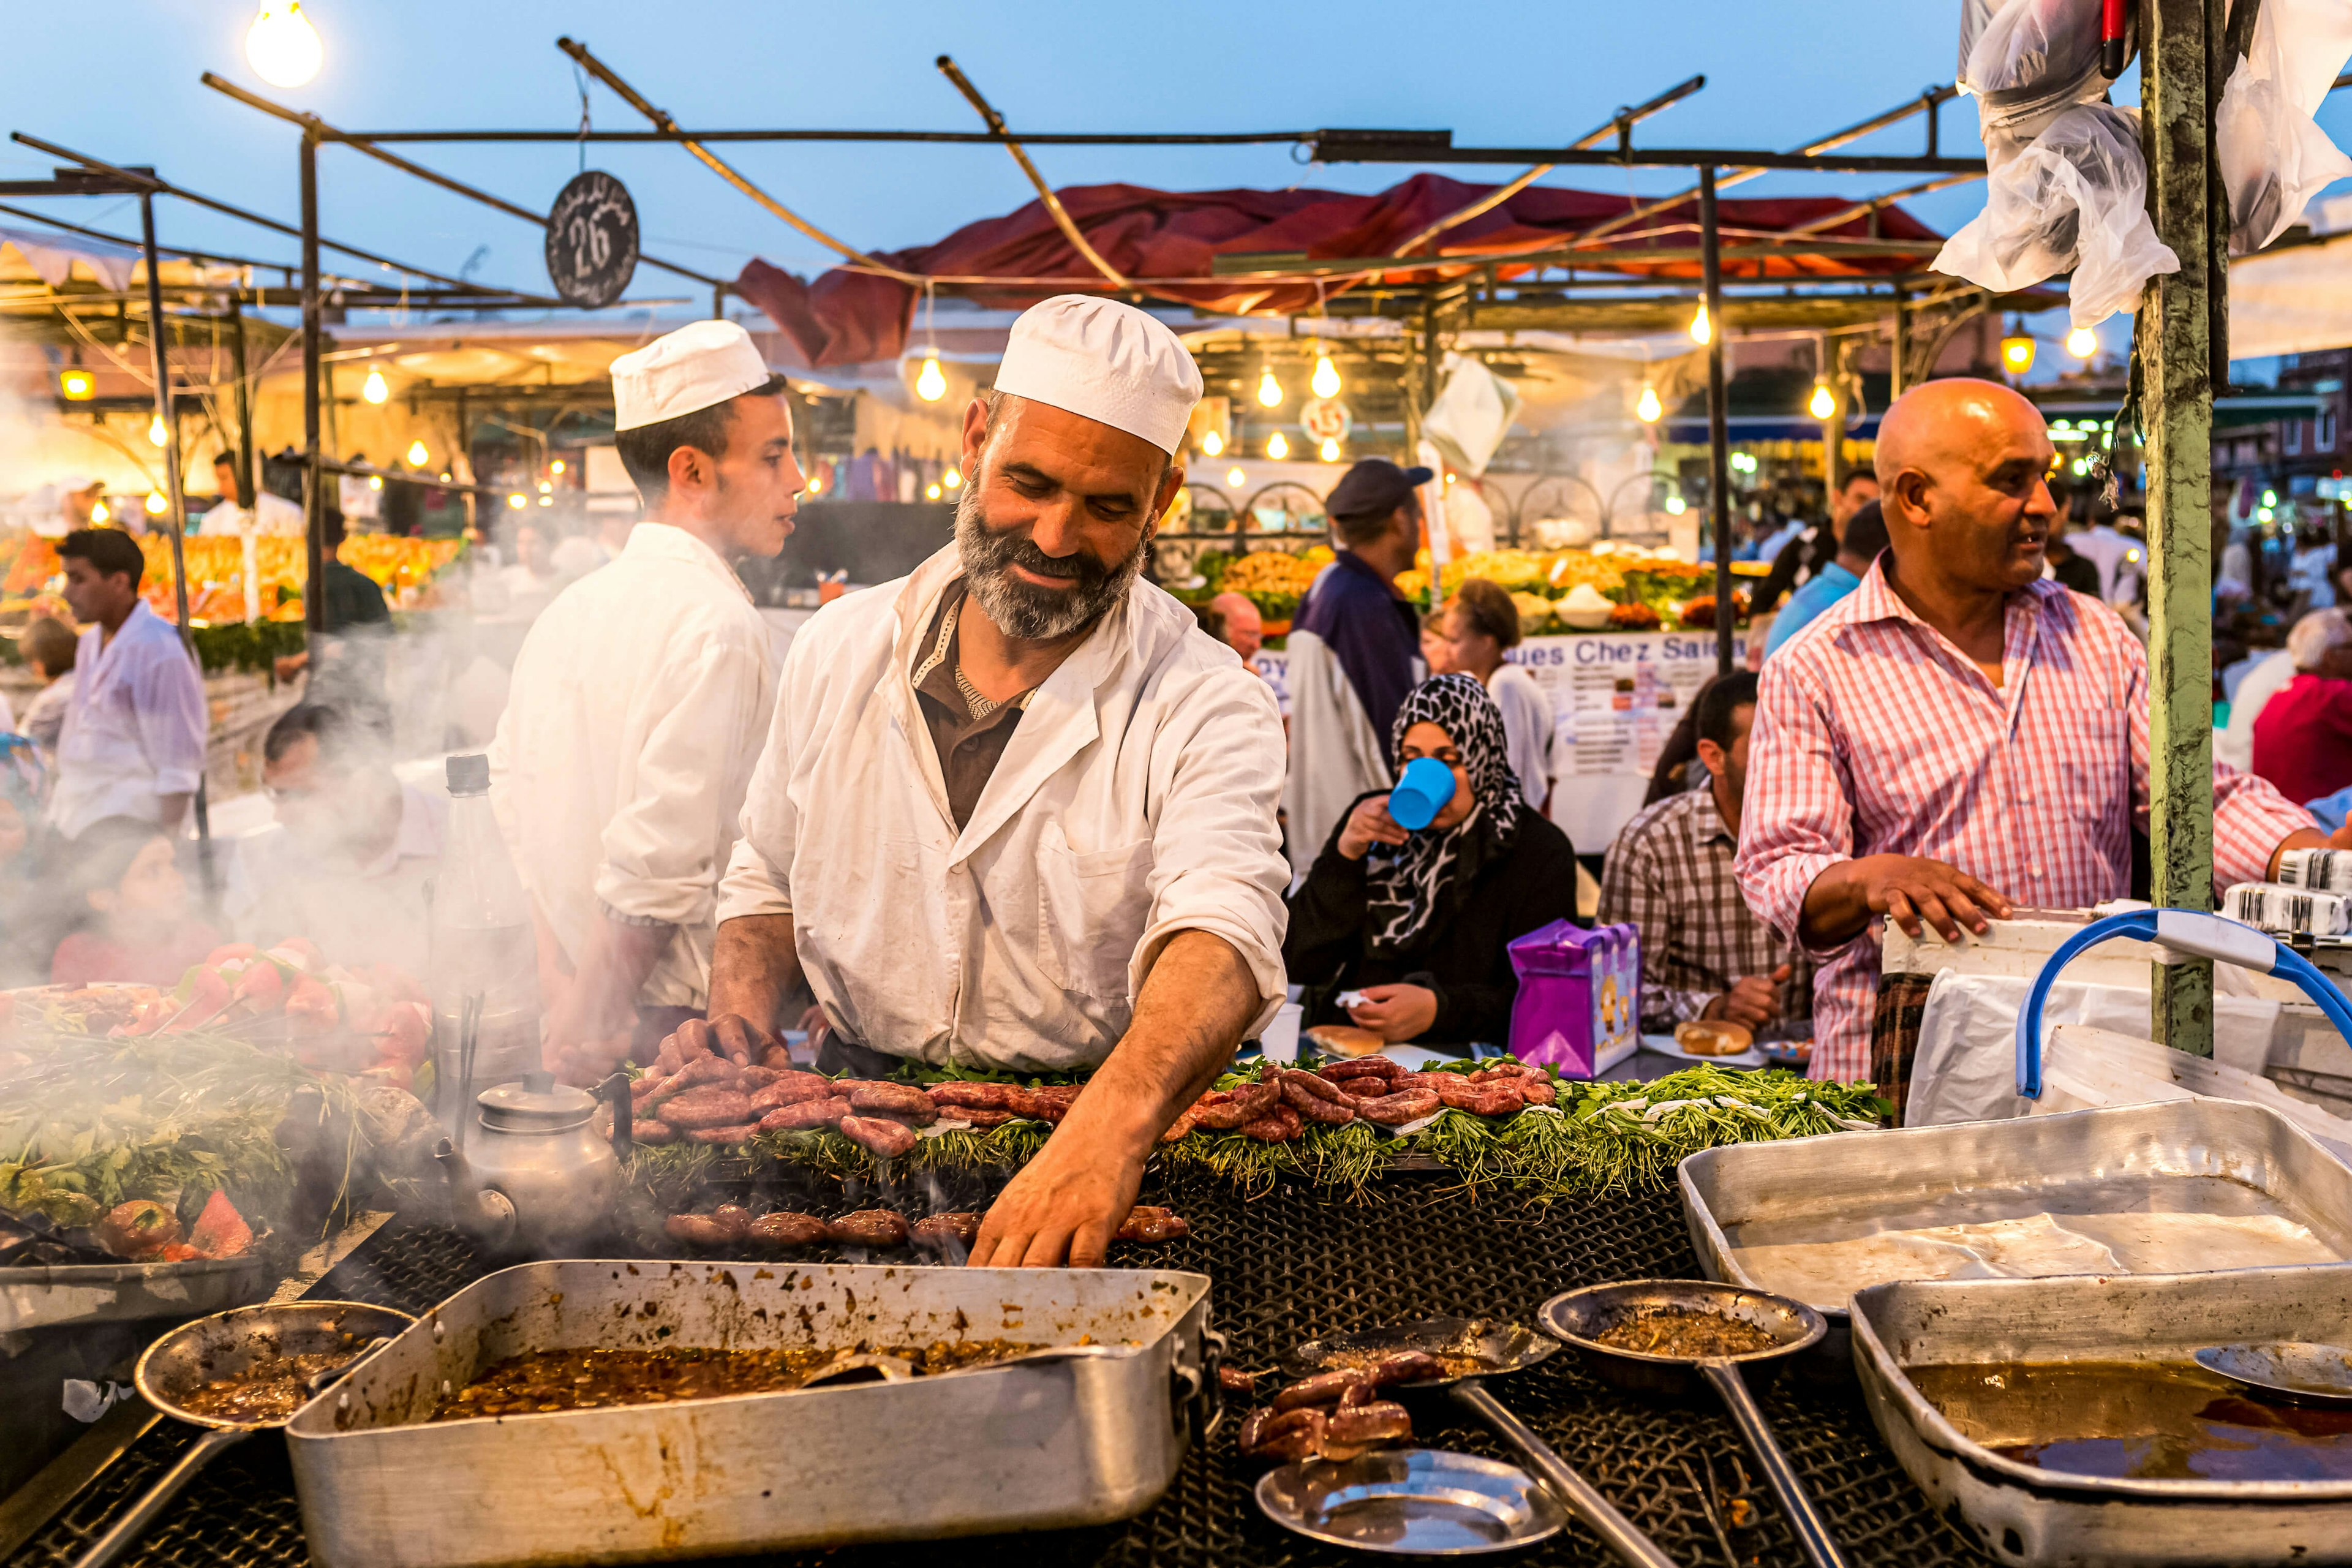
647	1130
903	1100
1048	1104
696	1230
734	1218
972	1116
1284	1437
879	1135
739	1133
942	1232
1323	1388
975	1096
1222	1110
1233	1380
804	1116
1318	1098
1381	1421
785	1229
793	1088
869	1228
1362	1067
1280	1125
1146	1223
1404	1367
709	1106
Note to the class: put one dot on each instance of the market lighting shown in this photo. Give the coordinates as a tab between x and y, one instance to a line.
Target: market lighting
417	455
815	485
155	503
1822	404
556	467
2270	497
517	503
2017	353
1648	409
157	433
98	513
2262	514
1270	391
1701	329
547	500
932	492
376	482
1325	380
929	384
951	480
1676	505
1276	448
282	46
1211	444
377	389
75	386
1235	477
546	489
1329	450
2082	343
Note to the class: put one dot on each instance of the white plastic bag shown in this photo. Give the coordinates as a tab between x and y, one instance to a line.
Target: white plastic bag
2275	158
2026	60
1470	416
2074	197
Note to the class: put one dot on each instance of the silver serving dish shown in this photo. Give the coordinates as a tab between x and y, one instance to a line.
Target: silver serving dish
2027	1515
2177	1187
1045	1443
1415	1502
42	1295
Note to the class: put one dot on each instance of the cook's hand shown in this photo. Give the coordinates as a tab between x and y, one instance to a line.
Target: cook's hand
1063	1206
1367	824
2342	837
1754	1001
737	1038
1911	890
1396	1013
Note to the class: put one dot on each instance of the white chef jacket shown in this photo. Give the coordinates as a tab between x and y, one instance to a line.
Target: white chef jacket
135	725
356	914
619	767
272	517
1528	729
1134	801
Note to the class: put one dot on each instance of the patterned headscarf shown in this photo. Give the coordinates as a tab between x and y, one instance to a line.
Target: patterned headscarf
1414	888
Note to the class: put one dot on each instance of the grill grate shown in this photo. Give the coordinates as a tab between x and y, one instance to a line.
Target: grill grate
1288	1266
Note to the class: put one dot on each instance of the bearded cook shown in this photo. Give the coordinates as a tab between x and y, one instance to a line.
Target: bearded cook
1016	810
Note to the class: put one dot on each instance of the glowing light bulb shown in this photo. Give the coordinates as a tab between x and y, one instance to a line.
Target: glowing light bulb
375	389
1325	380
75	386
2017	353
1648	409
932	492
547	500
815	486
156	505
98	512
929	384
282	46
1235	477
1270	391
545	487
951	480
1701	329
417	455
517	502
1823	402
1276	448
1676	505
2082	343
157	433
1211	444
1329	450
374	483
556	467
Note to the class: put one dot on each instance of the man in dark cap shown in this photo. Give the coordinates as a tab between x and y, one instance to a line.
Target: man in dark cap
1354	652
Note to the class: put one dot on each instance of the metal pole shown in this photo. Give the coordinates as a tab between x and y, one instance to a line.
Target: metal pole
1719	429
175	513
1832	365
314	605
2178	400
1896	386
237	352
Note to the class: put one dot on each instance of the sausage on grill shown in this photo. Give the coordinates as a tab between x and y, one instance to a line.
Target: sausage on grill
1318	1098
1396	1110
975	1096
738	1133
870	1227
1404	1367
1363	1067
1381	1421
879	1135
785	1229
1285	1435
696	1230
1279	1125
804	1117
1225	1110
647	1129
903	1100
1323	1388
793	1088
939	1232
709	1106
1145	1223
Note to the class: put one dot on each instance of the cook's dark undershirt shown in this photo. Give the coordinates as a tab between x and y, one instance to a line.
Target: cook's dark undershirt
969	748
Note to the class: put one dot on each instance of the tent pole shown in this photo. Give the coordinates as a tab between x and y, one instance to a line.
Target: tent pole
1719	429
175	511
246	484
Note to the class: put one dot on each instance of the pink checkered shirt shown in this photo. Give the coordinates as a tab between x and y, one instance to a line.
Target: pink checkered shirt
1875	736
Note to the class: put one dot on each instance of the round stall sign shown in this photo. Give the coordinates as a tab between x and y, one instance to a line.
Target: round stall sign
592	240
1326	419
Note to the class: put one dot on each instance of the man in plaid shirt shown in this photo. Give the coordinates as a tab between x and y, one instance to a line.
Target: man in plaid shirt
1704	953
1958	732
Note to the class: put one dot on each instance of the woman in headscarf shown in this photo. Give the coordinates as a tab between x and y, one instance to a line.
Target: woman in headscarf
1417	921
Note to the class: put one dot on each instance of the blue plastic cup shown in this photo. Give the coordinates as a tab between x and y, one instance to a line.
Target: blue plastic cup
1421	792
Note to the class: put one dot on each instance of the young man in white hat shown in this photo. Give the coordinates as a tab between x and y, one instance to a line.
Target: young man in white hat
1017	810
640	697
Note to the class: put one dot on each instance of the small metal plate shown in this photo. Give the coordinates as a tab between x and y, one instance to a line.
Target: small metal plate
1420	1502
2294	1370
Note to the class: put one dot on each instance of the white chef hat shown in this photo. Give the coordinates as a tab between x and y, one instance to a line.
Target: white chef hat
699	366
1105	361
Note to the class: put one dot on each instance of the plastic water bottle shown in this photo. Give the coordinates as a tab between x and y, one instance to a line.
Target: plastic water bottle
484	957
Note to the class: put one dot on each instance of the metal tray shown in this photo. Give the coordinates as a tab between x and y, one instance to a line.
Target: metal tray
1029	1446
2025	1515
2166	1169
46	1296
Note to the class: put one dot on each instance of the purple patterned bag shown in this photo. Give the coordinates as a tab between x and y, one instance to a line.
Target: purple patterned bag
1580	993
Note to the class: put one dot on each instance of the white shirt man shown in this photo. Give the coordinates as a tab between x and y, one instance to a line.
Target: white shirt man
133	741
269	517
639	697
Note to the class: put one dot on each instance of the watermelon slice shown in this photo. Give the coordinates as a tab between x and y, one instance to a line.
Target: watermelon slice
220	1231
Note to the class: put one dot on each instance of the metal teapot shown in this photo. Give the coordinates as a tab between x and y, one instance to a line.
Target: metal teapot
536	1176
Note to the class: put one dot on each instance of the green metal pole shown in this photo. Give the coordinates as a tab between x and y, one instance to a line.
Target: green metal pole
2175	339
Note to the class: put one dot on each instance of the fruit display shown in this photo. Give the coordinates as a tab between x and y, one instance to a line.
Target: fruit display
1273	580
405	568
1567	590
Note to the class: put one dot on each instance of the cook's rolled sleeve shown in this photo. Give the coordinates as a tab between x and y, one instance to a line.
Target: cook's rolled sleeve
1797	819
1217	864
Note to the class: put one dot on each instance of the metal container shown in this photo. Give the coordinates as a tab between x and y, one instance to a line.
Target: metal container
42	1295
2024	1515
2197	1184
1041	1444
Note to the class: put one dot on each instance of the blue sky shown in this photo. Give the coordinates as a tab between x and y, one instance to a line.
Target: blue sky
120	82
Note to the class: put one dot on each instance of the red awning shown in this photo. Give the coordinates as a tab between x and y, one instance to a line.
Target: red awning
1164	243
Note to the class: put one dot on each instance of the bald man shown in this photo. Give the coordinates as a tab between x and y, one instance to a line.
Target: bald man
1957	733
1244	628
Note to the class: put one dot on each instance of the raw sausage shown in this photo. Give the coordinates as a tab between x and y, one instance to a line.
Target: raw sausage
879	1135
804	1117
1050	1103
869	1228
647	1129
736	1134
1225	1110
900	1099
709	1106
1279	1125
785	1229
791	1089
939	1232
1145	1223
1182	1128
1460	1094
1318	1098
1396	1110
1539	1091
1363	1067
975	1096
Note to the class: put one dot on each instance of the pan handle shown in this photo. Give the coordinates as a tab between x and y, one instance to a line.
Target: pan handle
127	1530
1619	1534
1812	1530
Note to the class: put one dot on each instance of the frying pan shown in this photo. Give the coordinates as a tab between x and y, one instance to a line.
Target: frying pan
221	1346
1499	1349
1580	1317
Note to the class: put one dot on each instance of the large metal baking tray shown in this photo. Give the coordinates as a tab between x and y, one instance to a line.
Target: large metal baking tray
2025	1515
46	1296
2195	1156
1039	1444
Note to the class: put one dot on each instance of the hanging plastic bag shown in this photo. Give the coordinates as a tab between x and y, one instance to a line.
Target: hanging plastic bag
2027	60
2075	197
1470	416
2275	157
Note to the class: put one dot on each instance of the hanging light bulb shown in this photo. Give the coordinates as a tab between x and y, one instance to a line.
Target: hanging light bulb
98	514
417	455
1211	444
282	46
374	482
547	500
1676	505
1276	448
1701	329
375	389
75	386
2016	351
1823	402
815	485
546	488
932	492
2082	343
1648	408
929	384
1329	450
517	503
1325	380
1270	391
951	480
157	433
1235	477
156	505
556	467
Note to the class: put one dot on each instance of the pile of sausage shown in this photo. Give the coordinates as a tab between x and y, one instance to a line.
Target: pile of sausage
1277	1107
732	1225
1337	1414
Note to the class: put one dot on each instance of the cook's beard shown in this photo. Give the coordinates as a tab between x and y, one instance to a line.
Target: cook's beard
1023	610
